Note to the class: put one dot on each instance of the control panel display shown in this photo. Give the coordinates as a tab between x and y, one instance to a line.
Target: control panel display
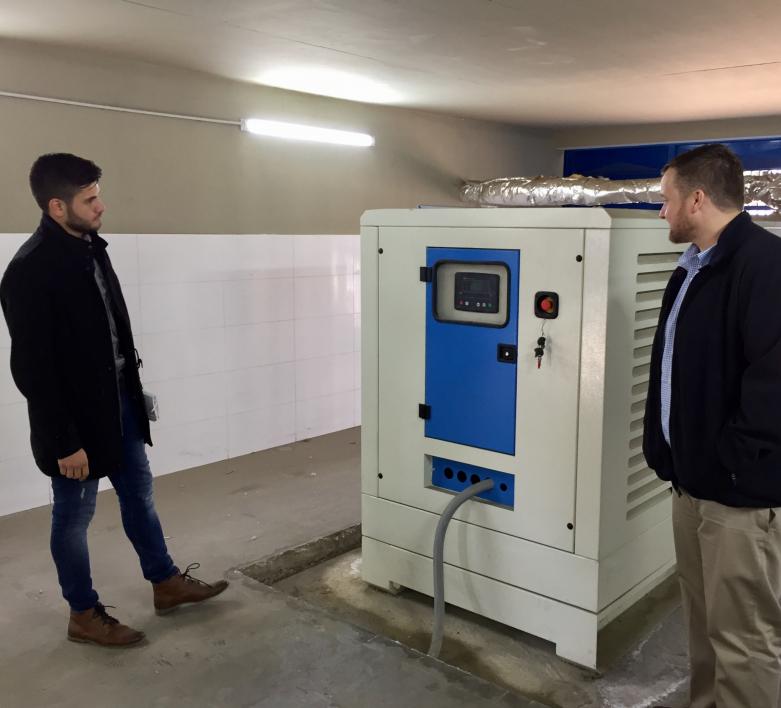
476	292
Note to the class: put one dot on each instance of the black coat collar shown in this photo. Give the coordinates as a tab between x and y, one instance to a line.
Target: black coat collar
50	229
732	238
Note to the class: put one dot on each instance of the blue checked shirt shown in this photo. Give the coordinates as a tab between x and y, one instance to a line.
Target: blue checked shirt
692	260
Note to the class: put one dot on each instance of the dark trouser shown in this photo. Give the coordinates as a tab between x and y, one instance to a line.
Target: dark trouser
74	506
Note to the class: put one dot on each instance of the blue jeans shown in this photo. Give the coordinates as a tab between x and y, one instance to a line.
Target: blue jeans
74	507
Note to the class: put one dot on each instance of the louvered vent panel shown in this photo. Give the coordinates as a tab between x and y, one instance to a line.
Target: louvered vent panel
644	490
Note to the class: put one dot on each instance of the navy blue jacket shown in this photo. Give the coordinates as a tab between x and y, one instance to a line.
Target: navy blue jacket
62	358
725	418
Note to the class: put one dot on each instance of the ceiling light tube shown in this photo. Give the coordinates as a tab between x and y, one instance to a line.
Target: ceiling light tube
293	131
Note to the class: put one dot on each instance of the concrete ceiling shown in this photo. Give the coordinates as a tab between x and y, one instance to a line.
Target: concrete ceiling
543	62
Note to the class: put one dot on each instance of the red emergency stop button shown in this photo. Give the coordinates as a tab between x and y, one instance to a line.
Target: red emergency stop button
546	305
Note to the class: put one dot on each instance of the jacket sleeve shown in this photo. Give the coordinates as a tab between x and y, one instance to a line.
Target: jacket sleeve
30	315
752	434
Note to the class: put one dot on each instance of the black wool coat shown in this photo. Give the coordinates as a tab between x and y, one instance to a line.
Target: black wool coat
62	358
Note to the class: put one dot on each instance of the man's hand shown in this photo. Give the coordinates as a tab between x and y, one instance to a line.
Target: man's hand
75	466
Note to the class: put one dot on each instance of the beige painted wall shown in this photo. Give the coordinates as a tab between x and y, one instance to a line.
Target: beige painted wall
165	175
769	126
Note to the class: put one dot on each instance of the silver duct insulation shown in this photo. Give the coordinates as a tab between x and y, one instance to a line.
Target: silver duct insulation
763	188
558	191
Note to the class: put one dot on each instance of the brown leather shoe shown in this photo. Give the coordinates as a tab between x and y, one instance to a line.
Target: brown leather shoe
96	626
184	589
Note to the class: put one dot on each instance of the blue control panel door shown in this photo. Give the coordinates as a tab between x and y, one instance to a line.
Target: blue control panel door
471	347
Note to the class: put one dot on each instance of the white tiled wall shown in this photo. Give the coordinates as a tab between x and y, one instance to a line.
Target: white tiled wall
249	342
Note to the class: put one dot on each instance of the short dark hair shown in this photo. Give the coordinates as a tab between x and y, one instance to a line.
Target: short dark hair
61	175
714	169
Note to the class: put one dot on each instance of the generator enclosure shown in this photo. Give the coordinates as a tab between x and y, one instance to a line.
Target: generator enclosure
458	385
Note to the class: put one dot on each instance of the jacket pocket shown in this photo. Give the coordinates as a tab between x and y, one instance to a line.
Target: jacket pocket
756	475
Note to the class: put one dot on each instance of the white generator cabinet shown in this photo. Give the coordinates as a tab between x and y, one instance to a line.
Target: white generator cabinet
454	301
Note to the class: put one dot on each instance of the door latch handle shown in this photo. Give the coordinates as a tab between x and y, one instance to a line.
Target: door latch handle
507	353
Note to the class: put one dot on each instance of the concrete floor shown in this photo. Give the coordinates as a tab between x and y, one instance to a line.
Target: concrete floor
321	638
643	659
253	646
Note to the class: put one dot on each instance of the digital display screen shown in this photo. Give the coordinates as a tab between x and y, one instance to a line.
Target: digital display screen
477	285
477	292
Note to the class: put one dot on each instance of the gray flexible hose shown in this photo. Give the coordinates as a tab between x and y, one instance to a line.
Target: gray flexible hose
439	561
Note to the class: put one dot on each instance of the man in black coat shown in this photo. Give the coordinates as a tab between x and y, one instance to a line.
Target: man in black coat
73	359
713	428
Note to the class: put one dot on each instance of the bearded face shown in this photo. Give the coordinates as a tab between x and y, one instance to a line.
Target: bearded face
674	210
681	228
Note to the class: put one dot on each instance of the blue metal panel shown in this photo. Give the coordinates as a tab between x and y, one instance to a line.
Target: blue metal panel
457	476
629	162
470	392
764	154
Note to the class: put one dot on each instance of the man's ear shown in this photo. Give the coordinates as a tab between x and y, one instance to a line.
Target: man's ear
699	200
56	207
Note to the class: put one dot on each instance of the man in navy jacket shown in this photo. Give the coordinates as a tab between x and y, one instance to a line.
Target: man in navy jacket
713	428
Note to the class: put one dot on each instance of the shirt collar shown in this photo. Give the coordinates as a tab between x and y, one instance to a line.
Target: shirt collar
694	259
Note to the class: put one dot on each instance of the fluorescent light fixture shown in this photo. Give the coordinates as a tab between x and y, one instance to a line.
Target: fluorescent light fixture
294	131
330	82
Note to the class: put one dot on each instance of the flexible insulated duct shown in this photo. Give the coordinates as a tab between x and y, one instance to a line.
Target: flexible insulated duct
763	188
